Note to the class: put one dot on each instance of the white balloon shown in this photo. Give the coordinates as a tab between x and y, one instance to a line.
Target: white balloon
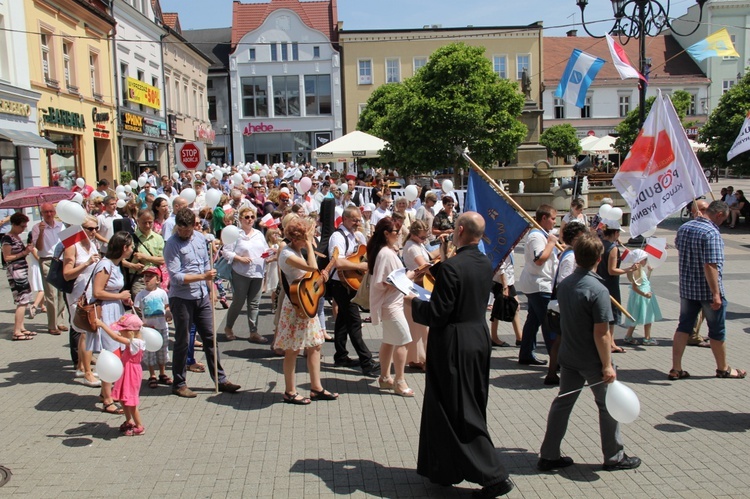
121	203
615	214
153	338
304	185
128	188
133	184
447	186
163	196
238	179
344	188
189	194
230	234
213	196
175	176
71	213
80	183
119	189
78	198
263	173
411	193
622	403
649	232
218	174
604	211
285	189
121	196
297	175
254	177
109	367
209	176
142	181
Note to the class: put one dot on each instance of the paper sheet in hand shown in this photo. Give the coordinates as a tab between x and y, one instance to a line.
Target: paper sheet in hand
406	286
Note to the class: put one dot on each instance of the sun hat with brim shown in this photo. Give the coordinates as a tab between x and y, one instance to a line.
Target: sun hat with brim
635	256
128	322
612	224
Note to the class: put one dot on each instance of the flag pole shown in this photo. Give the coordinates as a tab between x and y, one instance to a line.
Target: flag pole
213	320
525	215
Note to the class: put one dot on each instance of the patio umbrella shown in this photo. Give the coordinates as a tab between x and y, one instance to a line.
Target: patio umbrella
34	196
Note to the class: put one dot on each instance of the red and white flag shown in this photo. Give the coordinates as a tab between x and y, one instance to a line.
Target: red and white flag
656	248
269	222
661	174
72	235
621	61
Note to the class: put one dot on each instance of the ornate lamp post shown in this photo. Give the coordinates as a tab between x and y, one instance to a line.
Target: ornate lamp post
640	19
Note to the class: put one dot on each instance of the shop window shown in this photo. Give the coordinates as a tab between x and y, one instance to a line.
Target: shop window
286	95
318	95
254	97
9	168
63	163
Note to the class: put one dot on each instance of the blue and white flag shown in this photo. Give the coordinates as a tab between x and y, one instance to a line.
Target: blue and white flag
504	226
577	78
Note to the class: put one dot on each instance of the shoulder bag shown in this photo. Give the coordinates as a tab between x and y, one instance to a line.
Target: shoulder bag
87	313
55	276
553	307
362	298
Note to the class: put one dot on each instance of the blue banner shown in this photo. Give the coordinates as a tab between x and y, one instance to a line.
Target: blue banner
504	225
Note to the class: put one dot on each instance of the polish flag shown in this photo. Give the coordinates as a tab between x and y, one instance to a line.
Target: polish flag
621	61
269	222
72	235
653	251
656	248
624	254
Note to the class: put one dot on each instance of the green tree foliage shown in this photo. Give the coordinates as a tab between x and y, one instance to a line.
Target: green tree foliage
561	141
629	127
724	125
456	99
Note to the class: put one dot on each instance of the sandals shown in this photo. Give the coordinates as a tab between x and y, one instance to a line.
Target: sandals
738	373
152	383
196	368
117	410
22	337
674	375
257	338
418	366
295	399
385	383
322	395
617	349
404	392
164	380
630	340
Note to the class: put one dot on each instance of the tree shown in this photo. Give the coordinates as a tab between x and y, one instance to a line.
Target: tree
723	126
561	141
629	127
456	99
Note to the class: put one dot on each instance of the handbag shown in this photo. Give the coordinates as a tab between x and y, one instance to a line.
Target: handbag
362	298
506	312
87	313
223	268
55	276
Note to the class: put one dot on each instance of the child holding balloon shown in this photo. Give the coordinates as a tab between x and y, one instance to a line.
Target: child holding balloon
642	304
127	331
153	304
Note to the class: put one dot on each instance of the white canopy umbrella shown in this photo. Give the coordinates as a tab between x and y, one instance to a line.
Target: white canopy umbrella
604	145
697	146
587	141
353	145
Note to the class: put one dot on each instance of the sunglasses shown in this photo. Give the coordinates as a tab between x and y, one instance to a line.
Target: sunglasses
91	228
248	217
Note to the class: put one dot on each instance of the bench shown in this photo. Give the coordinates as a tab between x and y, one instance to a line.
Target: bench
600	178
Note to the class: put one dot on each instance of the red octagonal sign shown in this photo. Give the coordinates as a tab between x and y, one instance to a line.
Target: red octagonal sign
190	156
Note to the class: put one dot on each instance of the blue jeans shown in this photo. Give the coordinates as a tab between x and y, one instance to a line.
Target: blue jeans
534	319
715	319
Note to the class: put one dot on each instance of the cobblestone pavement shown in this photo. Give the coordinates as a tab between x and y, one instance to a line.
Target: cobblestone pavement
691	435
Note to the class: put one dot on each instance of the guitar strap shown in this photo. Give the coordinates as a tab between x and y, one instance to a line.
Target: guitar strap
346	247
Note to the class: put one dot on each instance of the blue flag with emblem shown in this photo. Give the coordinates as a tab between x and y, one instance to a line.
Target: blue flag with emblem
577	78
504	226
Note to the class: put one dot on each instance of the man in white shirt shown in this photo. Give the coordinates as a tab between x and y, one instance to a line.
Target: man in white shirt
106	220
101	189
44	236
381	212
168	226
200	196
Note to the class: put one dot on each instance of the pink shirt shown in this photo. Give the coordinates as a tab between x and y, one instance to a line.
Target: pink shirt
386	302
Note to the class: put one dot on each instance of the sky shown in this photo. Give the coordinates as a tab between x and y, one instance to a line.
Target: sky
401	14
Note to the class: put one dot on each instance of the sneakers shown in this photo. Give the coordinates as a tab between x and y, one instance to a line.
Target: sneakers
626	463
650	342
554	464
185	392
228	387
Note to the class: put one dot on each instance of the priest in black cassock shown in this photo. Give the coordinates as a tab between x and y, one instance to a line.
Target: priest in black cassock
454	444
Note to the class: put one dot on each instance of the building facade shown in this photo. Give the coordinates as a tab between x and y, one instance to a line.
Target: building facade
609	98
144	138
285	80
69	56
372	58
185	79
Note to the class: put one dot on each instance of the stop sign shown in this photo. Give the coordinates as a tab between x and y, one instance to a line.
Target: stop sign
190	156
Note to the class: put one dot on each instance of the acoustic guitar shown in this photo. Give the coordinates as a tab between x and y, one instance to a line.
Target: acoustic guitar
353	278
305	293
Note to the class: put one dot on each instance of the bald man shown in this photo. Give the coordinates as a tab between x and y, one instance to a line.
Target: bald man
454	444
44	236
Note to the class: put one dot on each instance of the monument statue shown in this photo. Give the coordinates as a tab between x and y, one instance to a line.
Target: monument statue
526	83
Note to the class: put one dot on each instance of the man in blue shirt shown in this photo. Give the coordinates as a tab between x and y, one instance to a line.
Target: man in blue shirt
700	269
190	274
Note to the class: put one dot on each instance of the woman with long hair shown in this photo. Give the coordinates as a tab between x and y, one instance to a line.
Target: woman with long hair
14	253
160	207
107	286
297	331
78	264
248	268
387	306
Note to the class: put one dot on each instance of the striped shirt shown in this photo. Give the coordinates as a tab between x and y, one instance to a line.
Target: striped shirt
699	242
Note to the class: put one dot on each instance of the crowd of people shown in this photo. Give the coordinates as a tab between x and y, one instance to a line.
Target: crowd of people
154	253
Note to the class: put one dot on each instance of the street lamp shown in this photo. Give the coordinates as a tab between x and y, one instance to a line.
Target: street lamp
224	133
640	19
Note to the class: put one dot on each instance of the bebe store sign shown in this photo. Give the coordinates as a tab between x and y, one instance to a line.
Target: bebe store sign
261	127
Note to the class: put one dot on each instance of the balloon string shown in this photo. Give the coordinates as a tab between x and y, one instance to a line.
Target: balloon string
576	391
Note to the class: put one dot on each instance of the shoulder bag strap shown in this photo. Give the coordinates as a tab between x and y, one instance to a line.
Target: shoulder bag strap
557	274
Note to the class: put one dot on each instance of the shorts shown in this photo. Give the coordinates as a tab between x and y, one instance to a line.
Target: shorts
715	319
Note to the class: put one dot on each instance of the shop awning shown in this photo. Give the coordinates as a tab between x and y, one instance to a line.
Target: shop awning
26	139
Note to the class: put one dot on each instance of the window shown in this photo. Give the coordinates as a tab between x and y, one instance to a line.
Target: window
316	52
624	105
523	62
734	46
68	66
124	83
48	69
586	109
318	95
274	55
284	52
691	111
419	62
286	95
167	93
559	109
4	55
500	65
211	108
201	109
176	104
726	85
251	54
196	111
365	72
141	76
209	83
185	100
361	107
254	97
392	70
94	75
295	51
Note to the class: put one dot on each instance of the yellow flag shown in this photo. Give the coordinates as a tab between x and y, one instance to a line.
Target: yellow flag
718	44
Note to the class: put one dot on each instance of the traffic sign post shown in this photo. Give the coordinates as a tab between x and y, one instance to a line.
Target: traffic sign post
189	155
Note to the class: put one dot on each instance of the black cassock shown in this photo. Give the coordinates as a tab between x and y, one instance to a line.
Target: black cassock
454	444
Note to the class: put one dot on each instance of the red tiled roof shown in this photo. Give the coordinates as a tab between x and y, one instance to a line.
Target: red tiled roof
172	19
680	70
321	15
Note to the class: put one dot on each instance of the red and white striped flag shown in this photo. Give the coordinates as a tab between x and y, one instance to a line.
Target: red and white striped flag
269	222
621	61
72	235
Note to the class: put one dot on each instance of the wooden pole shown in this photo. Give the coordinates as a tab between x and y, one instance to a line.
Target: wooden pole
525	215
213	320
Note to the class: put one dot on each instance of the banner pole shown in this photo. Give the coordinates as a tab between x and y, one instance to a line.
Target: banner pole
525	214
213	321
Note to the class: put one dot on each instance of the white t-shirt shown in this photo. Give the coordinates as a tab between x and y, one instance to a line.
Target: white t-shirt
411	251
291	273
153	307
106	229
508	270
537	278
378	215
566	266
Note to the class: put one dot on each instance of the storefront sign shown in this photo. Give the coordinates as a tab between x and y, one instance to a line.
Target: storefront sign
61	117
143	93
136	123
98	117
17	108
262	128
132	122
202	132
172	120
